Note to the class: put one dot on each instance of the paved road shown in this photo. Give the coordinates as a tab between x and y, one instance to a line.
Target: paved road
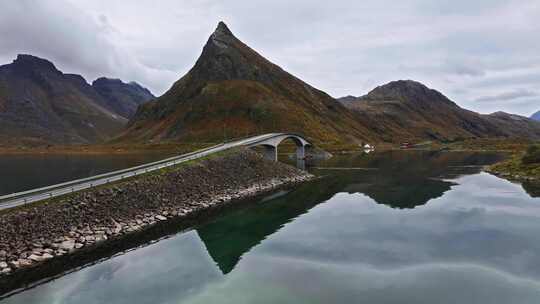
21	198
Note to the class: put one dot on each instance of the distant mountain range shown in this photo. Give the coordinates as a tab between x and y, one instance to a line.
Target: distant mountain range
41	105
536	116
231	91
408	110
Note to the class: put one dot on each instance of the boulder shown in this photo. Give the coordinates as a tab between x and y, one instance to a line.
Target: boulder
46	256
35	258
117	229
20	263
14	264
101	237
67	245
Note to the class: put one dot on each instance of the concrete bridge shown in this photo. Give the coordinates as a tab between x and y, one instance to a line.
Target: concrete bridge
270	145
269	142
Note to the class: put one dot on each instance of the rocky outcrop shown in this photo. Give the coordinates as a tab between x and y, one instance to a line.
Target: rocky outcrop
36	234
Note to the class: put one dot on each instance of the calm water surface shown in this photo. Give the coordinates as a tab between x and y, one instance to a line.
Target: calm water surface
24	172
415	228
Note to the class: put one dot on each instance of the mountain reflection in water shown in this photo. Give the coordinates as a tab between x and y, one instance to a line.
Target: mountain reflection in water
400	180
418	227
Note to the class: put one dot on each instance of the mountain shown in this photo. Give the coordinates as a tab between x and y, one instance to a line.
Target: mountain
348	99
408	110
233	91
123	98
515	125
536	116
41	105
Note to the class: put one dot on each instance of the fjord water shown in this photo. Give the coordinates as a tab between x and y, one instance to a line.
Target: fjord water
395	227
20	172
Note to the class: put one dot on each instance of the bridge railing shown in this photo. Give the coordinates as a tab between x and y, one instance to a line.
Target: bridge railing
113	176
33	195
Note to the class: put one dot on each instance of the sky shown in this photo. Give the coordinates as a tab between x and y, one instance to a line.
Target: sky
482	54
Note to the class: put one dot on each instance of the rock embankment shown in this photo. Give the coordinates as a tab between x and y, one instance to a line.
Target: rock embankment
32	235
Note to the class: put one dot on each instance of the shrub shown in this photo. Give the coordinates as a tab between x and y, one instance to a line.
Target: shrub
532	156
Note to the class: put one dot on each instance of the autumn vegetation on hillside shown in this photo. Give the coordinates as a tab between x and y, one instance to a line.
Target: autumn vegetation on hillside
523	165
532	155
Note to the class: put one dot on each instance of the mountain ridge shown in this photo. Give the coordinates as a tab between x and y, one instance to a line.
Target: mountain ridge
41	105
412	111
233	91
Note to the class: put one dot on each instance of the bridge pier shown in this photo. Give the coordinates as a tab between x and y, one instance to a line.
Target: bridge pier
271	143
270	152
301	152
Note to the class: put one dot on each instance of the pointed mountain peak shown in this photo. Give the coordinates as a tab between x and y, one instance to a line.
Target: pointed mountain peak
225	57
223	29
222	35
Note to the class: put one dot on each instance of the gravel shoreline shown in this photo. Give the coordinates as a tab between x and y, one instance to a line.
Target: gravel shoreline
36	235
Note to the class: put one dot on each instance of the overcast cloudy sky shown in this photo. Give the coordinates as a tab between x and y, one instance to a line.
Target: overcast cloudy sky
483	54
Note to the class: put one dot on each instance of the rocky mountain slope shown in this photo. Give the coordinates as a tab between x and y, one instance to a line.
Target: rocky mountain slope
41	105
408	110
233	91
123	98
536	116
513	125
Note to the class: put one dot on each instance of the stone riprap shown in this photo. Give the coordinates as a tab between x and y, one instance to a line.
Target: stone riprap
32	235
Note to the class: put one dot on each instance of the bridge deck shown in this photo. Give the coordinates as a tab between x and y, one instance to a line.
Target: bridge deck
34	195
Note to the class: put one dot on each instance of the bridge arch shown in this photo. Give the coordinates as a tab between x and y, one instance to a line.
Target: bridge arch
271	143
